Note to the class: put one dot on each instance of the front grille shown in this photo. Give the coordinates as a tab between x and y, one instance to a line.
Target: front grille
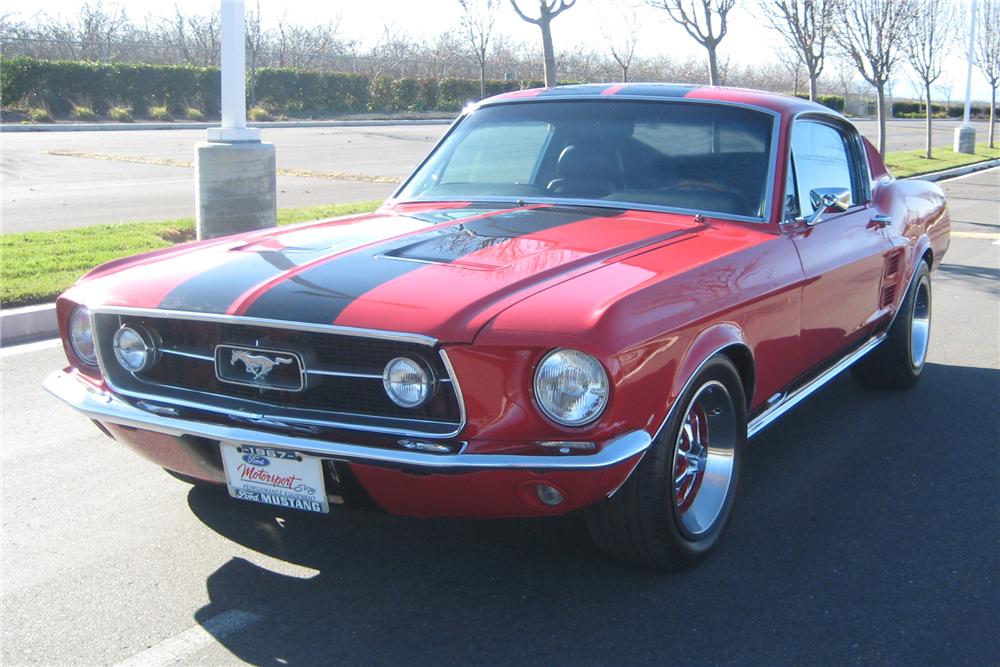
343	371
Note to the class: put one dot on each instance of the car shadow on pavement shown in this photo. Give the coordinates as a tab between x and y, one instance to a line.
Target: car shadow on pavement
864	532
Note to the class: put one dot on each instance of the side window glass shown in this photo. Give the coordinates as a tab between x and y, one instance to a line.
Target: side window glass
821	160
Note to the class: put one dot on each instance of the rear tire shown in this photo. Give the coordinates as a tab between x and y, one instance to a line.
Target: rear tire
899	360
673	508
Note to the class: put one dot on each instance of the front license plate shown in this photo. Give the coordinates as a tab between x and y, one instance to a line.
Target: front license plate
279	477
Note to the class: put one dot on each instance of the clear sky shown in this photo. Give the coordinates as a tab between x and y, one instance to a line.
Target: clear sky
748	40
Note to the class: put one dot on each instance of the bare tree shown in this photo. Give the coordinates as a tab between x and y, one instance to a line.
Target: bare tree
197	38
547	10
304	47
805	26
699	19
478	17
795	68
930	34
254	44
870	33
622	37
987	54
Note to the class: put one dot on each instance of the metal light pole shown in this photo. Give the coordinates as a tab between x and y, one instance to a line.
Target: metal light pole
234	170
965	136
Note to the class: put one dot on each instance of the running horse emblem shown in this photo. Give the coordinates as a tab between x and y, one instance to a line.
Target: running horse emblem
257	365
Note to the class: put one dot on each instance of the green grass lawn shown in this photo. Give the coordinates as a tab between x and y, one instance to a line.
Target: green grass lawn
36	266
913	163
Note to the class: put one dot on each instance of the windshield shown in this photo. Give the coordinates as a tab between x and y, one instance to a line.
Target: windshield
681	155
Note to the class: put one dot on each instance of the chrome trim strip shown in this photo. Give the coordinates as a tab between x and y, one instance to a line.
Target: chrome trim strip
789	401
592	203
189	355
271	324
309	371
105	406
618	97
457	388
316	328
344	374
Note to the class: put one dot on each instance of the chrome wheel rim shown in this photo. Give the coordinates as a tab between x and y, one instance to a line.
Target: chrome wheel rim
920	323
703	458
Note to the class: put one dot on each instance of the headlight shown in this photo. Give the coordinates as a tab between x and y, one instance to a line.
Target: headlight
571	387
134	349
81	336
406	382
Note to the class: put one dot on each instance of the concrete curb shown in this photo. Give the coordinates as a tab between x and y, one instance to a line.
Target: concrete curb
124	127
34	323
957	171
28	324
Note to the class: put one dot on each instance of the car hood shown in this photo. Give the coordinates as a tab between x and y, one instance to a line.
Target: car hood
437	270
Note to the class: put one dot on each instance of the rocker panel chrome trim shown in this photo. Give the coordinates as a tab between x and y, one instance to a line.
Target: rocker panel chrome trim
792	399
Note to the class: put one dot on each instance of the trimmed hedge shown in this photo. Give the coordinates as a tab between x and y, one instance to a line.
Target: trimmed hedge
908	109
835	102
59	85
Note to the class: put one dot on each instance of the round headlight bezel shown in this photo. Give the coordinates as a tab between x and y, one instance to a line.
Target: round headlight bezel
601	376
428	383
81	333
143	336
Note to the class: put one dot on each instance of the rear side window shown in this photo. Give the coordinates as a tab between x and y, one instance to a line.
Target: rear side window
821	160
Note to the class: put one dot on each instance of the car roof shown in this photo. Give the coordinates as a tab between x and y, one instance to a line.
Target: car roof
776	102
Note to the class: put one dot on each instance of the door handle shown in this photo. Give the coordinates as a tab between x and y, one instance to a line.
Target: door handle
879	222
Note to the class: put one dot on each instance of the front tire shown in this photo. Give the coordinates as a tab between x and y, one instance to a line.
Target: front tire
673	508
898	362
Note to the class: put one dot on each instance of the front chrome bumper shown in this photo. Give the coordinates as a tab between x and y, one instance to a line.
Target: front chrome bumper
106	407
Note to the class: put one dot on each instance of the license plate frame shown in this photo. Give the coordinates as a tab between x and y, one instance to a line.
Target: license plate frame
274	476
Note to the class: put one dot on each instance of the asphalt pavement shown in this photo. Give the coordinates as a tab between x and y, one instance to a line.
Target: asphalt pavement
58	180
865	533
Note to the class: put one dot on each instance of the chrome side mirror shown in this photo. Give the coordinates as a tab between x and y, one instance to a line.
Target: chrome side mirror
824	199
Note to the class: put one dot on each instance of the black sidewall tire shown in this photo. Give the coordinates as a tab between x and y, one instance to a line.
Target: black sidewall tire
688	547
923	276
890	365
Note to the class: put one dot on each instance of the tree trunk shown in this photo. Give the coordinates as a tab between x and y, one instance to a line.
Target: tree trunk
624	74
881	118
993	114
813	85
713	66
482	79
548	54
927	92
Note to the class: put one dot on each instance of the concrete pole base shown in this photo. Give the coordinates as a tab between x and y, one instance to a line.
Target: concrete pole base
236	188
965	139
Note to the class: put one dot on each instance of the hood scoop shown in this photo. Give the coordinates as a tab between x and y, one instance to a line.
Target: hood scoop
460	247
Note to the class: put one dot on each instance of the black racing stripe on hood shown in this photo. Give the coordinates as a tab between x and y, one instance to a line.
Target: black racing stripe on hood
215	289
320	294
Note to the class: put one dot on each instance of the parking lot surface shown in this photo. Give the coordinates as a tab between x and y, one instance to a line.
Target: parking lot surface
72	179
865	533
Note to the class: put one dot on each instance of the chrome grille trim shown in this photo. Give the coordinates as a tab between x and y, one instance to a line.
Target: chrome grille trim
394	336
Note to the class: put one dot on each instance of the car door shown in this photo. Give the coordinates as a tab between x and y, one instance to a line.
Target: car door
843	254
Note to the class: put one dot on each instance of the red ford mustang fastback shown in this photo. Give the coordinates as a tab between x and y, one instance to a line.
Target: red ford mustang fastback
585	297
